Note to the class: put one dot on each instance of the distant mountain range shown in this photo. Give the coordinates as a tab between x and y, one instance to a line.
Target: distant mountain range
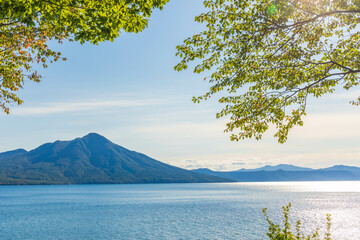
285	167
284	172
89	160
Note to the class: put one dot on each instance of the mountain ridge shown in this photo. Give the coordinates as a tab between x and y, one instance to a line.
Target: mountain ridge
285	167
89	160
12	153
334	173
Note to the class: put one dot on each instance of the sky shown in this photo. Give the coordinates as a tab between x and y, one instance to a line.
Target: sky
128	92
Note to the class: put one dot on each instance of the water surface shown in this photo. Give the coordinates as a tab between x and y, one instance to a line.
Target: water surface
174	211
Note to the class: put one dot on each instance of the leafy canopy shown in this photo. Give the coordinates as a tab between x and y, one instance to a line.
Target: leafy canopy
26	26
267	57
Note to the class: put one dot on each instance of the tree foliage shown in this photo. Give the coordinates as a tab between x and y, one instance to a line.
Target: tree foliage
275	232
26	27
267	57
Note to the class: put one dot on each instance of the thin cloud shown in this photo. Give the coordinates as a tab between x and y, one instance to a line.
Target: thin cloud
66	107
238	163
183	129
316	126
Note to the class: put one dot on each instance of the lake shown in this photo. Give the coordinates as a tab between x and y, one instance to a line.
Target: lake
174	211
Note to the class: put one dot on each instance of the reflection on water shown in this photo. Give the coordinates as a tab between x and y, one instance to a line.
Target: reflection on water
174	211
319	186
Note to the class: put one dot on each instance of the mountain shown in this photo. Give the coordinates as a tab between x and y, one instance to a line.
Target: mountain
285	167
87	160
355	170
335	173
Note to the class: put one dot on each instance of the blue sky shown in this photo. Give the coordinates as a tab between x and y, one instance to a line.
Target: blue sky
127	91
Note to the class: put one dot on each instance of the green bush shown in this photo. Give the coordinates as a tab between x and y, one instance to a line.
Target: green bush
276	233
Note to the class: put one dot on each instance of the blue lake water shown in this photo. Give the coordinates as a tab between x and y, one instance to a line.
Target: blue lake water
174	211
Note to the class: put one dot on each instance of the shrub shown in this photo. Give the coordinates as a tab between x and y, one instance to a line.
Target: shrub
276	233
